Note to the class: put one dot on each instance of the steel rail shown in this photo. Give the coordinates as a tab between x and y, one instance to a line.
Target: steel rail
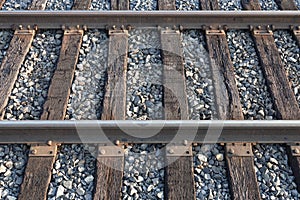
149	131
186	19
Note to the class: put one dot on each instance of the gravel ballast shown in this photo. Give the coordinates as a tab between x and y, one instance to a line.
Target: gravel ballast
143	172
255	98
31	88
144	76
210	172
59	4
13	159
198	76
187	5
11	5
73	173
6	37
275	177
230	5
100	5
290	55
86	98
143	5
297	3
268	5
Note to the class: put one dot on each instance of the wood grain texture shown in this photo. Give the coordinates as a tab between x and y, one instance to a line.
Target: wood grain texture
38	5
109	178
228	104
166	5
285	102
251	4
1	3
120	4
175	97
294	162
81	4
286	4
209	5
59	90
179	178
242	178
37	178
11	64
114	106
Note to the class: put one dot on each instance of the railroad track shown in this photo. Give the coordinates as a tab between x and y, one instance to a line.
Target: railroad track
65	81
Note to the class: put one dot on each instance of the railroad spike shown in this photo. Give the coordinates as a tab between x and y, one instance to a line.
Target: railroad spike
84	27
49	143
180	28
117	142
34	151
296	151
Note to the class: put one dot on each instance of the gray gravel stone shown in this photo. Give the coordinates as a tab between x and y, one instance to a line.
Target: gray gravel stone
68	181
255	98
187	5
6	37
275	177
143	5
86	98
31	88
16	5
210	172
13	161
59	4
230	4
144	76
268	5
143	162
100	5
290	55
297	3
198	76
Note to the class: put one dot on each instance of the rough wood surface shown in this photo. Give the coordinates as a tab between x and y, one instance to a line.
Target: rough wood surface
59	90
166	5
209	5
242	178
251	4
179	178
37	178
109	178
11	64
1	3
228	103
294	162
285	102
286	4
81	4
114	106
175	97
110	169
38	5
120	4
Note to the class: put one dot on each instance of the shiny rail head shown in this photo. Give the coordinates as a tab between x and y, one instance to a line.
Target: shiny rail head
186	19
149	131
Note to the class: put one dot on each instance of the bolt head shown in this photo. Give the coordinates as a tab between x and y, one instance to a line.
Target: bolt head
296	151
34	151
102	152
231	151
171	151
